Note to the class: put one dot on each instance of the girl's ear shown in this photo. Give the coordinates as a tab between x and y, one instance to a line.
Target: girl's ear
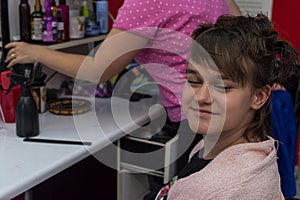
260	97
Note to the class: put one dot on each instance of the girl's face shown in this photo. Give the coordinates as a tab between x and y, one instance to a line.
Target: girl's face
213	103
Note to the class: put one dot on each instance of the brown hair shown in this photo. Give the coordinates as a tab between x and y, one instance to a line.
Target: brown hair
247	50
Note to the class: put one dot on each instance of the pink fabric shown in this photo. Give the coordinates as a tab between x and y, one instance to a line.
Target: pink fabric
277	86
244	171
168	24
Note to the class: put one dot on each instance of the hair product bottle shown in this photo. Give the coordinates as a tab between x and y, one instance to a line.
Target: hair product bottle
24	15
85	9
60	26
102	15
53	8
64	9
36	22
49	26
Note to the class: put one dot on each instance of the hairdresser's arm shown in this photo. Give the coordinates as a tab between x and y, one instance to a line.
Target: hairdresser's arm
233	8
115	52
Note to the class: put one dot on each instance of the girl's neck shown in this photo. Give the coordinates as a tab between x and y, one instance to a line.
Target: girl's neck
212	148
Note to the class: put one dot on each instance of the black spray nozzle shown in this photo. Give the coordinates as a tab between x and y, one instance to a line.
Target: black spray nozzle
16	79
26	75
27	71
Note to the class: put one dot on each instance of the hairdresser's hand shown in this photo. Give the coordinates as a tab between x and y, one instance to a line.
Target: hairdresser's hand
21	53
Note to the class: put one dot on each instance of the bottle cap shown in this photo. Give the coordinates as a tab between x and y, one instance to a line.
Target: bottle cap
16	37
62	2
103	4
24	1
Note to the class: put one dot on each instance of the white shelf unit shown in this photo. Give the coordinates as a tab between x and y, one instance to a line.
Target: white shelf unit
73	43
133	172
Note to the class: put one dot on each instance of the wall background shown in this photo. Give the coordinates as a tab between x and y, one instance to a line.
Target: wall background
286	18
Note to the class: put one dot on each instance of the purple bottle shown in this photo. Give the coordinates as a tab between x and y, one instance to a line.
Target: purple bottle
49	26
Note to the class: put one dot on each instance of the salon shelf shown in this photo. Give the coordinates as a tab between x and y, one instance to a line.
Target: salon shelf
75	42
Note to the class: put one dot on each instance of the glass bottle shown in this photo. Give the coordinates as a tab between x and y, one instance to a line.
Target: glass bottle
25	22
65	18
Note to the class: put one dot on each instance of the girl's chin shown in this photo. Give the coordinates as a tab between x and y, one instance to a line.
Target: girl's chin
197	129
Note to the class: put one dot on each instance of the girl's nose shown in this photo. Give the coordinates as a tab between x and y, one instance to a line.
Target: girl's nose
203	95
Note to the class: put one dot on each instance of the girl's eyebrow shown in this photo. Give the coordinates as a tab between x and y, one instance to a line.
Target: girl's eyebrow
224	77
218	75
191	71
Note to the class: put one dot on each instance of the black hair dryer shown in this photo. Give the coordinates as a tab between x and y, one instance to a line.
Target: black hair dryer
27	117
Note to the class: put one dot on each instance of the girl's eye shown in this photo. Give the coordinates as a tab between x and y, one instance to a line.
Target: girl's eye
222	87
194	82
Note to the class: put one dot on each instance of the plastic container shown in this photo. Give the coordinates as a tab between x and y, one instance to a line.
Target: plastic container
77	27
8	99
27	118
49	26
102	15
92	27
8	103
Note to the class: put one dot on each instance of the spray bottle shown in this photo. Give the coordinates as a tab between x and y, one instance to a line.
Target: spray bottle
27	118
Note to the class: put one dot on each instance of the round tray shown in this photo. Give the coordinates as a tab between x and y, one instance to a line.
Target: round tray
69	106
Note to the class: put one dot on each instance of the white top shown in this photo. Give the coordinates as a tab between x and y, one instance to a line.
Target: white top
26	164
